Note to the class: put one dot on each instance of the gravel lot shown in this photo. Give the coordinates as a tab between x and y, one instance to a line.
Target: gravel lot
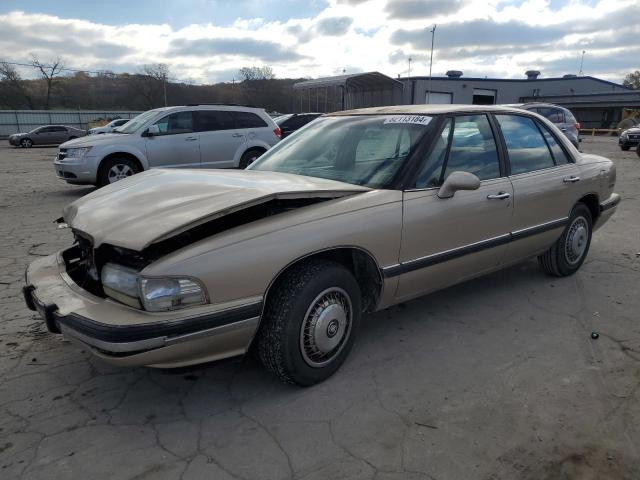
497	378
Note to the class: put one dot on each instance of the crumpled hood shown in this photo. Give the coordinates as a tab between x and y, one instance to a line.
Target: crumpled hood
161	203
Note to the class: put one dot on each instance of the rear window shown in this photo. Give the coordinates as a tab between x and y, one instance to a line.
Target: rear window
248	120
555	115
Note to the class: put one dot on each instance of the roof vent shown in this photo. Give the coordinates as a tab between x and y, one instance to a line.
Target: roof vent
454	74
570	75
532	74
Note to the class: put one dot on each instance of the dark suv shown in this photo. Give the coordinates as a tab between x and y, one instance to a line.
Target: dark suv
293	121
629	138
562	117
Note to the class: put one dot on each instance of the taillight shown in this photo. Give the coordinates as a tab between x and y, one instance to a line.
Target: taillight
278	132
577	125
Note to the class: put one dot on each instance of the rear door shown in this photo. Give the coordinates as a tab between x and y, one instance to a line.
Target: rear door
176	145
544	180
42	136
447	240
59	135
254	127
221	141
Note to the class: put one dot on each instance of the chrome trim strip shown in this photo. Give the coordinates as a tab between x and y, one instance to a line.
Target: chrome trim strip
446	255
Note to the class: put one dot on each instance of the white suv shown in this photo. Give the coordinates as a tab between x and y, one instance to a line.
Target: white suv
193	136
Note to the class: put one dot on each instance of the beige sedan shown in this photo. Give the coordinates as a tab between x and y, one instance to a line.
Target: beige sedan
353	213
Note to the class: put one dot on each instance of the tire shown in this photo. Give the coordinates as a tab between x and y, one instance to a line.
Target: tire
625	149
26	143
249	157
115	169
566	256
638	150
310	322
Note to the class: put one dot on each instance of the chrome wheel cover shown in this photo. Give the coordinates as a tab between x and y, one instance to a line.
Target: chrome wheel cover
326	327
576	240
118	172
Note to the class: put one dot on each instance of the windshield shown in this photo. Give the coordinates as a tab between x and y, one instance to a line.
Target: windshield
361	150
136	122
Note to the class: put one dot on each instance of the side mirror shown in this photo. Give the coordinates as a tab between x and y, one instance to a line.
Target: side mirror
458	181
151	131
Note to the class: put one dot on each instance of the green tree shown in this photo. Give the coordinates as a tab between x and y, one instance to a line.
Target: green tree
632	80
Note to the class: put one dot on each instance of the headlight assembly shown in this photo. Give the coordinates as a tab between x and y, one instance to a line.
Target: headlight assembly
77	153
159	294
120	283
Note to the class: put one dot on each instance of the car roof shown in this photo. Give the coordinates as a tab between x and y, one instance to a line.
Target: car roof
428	110
534	105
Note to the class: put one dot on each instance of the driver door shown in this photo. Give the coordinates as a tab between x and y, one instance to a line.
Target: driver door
176	144
447	240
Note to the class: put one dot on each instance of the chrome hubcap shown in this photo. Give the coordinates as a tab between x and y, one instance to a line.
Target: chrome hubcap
326	327
119	171
576	241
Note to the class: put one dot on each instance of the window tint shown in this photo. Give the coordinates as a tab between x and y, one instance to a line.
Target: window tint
473	148
43	130
180	122
526	148
248	120
57	129
559	154
212	120
429	175
554	114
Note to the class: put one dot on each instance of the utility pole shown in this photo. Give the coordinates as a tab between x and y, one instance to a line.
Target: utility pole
433	36
409	73
164	87
581	63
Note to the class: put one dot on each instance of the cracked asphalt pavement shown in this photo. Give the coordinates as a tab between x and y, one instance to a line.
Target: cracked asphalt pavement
497	378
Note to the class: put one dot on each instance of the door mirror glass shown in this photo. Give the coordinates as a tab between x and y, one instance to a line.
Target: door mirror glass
458	181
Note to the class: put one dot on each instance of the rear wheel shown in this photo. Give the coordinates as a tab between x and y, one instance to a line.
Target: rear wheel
116	169
568	253
249	157
310	322
26	143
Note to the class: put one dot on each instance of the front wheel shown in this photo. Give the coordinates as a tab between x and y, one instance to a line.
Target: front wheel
26	143
624	148
566	256
310	322
116	169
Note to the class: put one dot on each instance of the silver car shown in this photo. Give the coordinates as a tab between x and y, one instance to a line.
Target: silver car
47	135
560	116
192	136
109	127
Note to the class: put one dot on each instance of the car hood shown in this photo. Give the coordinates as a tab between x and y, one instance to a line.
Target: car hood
91	141
159	204
18	134
633	130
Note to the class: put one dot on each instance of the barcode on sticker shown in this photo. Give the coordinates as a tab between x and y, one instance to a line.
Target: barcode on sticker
415	119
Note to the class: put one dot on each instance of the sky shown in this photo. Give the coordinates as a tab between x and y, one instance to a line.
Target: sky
206	41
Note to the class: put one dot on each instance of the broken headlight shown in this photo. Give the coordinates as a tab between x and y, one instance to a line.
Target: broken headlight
160	294
120	283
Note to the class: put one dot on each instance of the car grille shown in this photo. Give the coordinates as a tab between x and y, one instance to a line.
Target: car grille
634	137
62	153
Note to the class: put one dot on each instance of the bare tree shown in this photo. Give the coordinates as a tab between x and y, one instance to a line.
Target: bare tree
49	72
160	73
256	73
632	80
16	85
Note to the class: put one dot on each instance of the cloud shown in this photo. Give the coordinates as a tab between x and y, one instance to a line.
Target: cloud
411	9
334	26
247	47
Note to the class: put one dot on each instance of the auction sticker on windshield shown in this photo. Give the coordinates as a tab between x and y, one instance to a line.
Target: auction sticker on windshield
415	119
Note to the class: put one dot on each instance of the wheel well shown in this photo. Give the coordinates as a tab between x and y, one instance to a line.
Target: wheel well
255	149
130	156
592	202
359	262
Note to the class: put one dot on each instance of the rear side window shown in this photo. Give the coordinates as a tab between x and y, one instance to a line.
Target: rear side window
248	120
175	123
526	146
473	148
559	154
555	115
58	129
213	120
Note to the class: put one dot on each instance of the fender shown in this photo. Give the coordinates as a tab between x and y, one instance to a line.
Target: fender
124	148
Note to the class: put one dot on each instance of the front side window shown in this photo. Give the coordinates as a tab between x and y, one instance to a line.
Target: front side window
248	120
526	146
175	123
431	172
473	148
58	129
362	150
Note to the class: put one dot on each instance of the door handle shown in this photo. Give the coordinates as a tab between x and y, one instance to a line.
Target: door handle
571	179
237	135
190	139
499	196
